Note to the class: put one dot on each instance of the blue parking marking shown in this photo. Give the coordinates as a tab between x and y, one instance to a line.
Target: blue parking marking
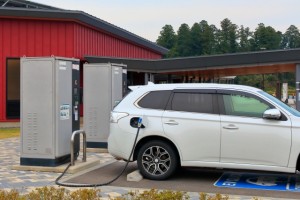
279	182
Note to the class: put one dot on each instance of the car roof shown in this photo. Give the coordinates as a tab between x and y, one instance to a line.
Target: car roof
152	86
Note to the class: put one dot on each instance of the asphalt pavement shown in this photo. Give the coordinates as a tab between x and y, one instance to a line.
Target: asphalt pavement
194	180
191	180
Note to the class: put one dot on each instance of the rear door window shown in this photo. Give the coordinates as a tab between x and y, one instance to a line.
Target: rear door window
192	102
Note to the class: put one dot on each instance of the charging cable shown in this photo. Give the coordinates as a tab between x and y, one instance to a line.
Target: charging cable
101	184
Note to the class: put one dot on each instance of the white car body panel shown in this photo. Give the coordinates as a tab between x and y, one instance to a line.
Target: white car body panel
257	141
203	128
295	147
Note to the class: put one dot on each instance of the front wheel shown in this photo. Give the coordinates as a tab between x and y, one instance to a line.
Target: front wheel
157	160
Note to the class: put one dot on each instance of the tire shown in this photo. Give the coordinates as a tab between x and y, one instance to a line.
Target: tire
157	160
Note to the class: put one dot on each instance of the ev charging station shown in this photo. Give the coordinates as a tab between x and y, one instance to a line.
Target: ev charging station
49	109
104	86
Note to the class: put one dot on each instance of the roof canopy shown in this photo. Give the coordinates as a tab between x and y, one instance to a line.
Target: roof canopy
215	65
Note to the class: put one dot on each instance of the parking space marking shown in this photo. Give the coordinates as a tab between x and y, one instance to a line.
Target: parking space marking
260	181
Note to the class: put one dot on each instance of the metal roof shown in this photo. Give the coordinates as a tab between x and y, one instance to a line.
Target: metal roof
25	4
205	62
80	16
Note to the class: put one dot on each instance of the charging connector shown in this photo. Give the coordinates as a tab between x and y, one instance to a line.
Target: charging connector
140	122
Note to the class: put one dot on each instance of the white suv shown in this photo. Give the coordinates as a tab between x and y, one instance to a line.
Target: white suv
205	125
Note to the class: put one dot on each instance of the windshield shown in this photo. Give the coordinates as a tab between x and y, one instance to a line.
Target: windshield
281	104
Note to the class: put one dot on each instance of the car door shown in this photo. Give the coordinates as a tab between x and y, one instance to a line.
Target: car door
248	138
192	122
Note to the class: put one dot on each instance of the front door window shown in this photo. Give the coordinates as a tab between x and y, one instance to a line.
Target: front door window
241	105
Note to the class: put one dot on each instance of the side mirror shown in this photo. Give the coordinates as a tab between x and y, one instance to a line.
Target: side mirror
272	114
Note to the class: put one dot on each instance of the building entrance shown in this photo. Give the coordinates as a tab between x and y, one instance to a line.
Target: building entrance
13	88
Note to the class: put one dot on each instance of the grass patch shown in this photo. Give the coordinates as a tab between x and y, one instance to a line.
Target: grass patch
9	132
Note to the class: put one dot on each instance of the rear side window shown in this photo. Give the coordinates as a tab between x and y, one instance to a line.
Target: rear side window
193	102
155	100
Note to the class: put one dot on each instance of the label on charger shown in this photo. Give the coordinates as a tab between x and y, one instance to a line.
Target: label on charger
64	112
75	66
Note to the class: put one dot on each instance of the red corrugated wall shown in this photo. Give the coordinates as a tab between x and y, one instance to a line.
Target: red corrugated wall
92	42
31	37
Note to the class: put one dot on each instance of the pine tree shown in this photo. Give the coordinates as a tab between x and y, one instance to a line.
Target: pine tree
244	39
167	37
291	38
184	41
266	38
227	37
196	43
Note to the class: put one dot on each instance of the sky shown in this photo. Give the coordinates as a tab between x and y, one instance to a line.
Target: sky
147	17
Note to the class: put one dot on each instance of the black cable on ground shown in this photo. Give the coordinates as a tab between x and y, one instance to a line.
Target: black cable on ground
100	184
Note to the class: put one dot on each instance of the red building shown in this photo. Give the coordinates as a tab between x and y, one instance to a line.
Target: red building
33	30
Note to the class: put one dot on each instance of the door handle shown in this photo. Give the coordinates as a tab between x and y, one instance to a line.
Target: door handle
231	127
171	122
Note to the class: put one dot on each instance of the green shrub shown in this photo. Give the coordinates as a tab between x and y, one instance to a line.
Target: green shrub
54	193
205	196
11	195
47	193
155	195
86	194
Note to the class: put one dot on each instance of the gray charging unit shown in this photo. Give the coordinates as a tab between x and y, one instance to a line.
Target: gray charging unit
49	109
104	85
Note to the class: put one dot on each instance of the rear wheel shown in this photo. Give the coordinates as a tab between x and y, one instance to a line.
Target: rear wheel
157	160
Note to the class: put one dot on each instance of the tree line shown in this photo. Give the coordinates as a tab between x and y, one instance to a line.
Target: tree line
206	39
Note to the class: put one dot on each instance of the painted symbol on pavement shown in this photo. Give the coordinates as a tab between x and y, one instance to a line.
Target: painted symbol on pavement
263	180
280	182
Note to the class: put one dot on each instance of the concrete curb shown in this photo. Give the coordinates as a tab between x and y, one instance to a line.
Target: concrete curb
79	166
96	150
